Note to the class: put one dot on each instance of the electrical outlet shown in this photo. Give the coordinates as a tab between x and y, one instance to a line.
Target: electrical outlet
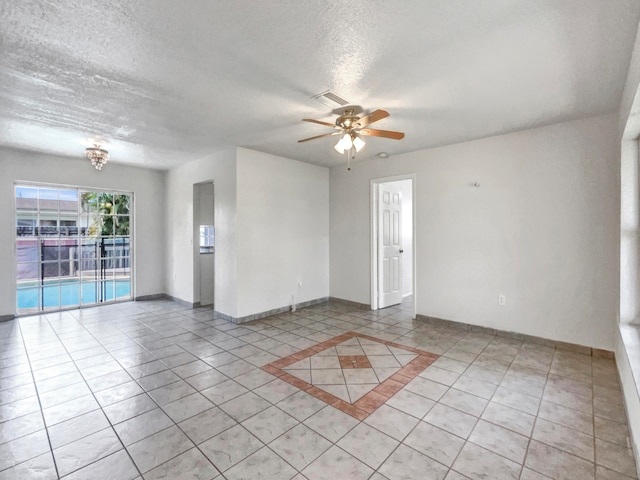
502	299
299	282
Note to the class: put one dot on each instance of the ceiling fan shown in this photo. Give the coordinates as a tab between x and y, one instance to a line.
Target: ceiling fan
351	128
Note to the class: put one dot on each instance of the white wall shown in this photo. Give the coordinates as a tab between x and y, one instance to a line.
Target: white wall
541	229
271	220
147	186
221	169
282	231
407	236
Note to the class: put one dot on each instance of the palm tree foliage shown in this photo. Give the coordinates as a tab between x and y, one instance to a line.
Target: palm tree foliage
108	213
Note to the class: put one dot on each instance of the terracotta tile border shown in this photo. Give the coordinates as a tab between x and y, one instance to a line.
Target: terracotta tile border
369	402
353	361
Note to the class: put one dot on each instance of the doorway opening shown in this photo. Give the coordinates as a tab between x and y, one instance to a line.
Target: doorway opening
73	247
393	252
204	244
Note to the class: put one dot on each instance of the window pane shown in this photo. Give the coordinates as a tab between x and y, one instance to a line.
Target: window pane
50	249
26	198
90	225
68	200
48	199
26	224
108	290
121	204
70	293
67	257
27	249
28	273
89	292
120	246
89	202
28	297
68	227
123	289
121	267
107	223
51	295
122	225
86	264
50	269
105	203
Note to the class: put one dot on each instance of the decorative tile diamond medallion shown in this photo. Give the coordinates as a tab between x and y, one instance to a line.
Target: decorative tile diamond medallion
353	372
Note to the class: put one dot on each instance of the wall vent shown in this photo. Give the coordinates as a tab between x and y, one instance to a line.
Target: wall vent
331	99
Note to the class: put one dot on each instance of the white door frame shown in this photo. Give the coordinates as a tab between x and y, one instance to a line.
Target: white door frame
374	182
195	239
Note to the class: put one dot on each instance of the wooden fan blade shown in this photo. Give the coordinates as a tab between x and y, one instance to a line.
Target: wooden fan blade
372	117
381	133
326	124
319	136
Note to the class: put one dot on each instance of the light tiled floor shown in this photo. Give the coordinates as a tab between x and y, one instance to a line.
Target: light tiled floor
154	390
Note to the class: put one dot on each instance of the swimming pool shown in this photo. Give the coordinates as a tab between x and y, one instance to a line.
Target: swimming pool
71	292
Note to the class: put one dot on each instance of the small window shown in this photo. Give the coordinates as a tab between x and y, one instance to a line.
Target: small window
26	222
207	239
26	226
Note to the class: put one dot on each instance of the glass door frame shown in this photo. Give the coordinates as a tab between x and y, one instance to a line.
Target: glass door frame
37	238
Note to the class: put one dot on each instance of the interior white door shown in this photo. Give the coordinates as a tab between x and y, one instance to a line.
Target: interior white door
389	245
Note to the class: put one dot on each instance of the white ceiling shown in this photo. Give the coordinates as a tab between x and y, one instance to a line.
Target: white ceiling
165	82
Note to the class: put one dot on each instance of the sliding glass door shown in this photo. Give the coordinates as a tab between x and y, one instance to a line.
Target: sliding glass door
73	247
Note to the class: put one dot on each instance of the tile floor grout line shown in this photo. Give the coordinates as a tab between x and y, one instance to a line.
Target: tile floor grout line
530	437
466	440
97	402
44	423
401	442
100	407
328	439
174	424
195	445
489	401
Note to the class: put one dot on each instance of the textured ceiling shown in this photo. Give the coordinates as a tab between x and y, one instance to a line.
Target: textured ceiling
164	82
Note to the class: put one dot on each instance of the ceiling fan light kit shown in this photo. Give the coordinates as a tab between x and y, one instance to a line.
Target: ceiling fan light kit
349	141
351	128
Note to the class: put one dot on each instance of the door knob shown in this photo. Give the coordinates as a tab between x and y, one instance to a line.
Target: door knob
401	251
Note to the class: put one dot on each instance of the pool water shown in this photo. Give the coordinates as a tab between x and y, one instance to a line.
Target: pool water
71	293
